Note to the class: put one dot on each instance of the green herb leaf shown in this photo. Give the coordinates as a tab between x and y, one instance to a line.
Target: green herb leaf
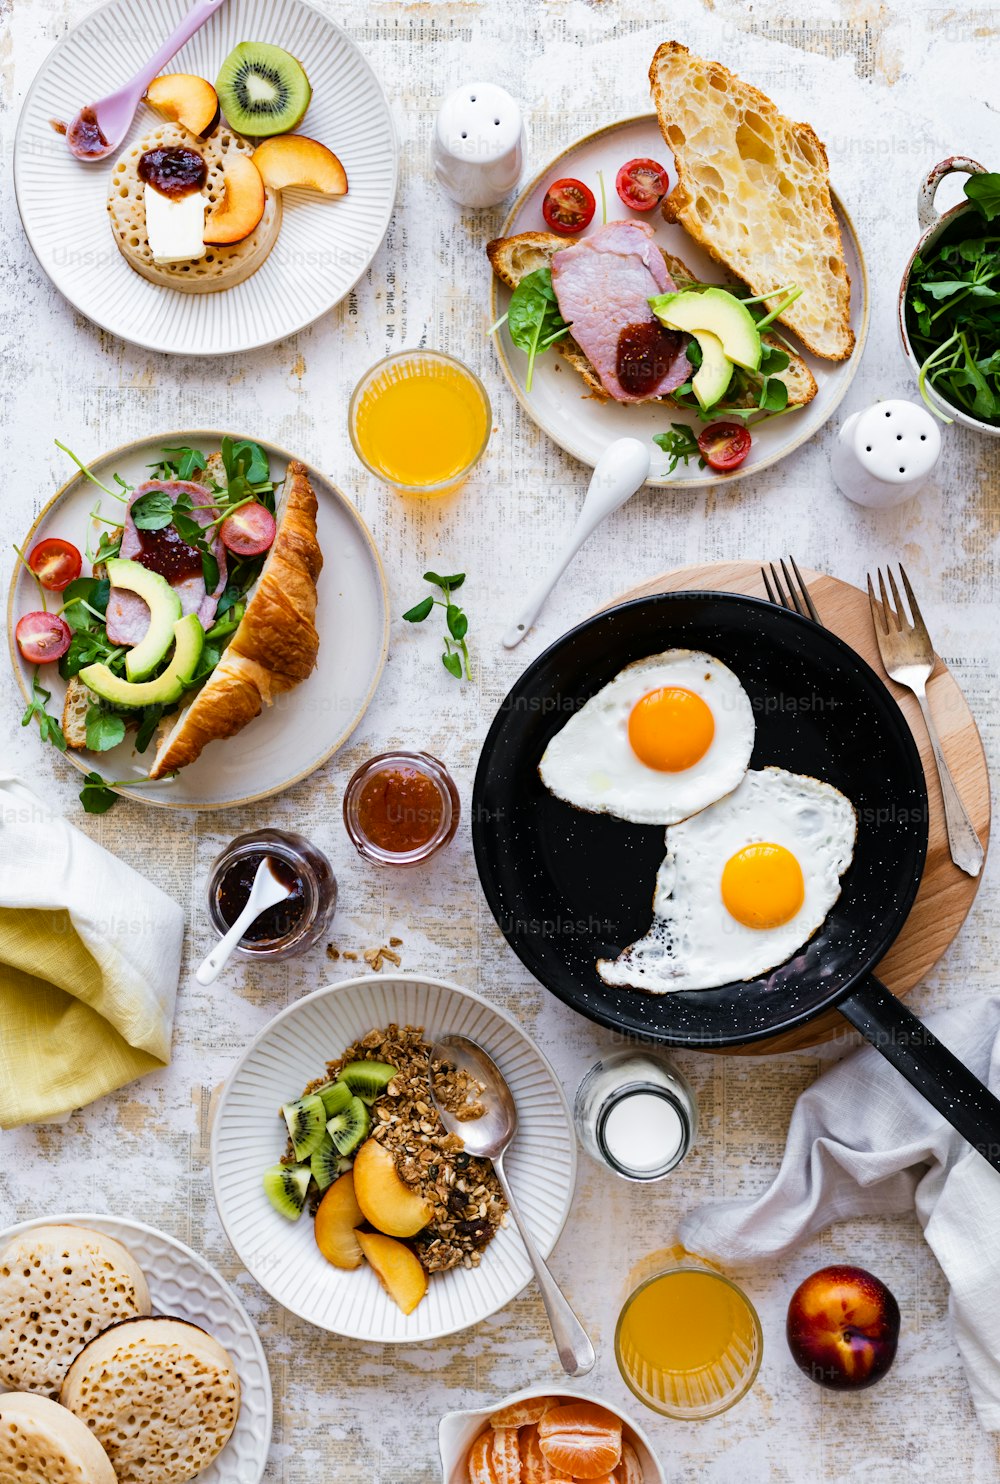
419	611
153	511
984	191
210	571
95	796
147	726
453	664
773	395
108	546
457	621
48	727
533	318
450	584
680	444
104	730
186	461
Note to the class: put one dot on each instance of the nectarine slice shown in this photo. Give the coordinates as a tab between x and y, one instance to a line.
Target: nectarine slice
294	160
186	100
388	1203
242	206
396	1268
337	1216
581	1439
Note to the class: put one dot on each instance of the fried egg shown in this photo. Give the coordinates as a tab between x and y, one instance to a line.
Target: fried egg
668	735
743	886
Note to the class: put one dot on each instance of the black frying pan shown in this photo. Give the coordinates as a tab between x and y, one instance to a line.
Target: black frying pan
567	887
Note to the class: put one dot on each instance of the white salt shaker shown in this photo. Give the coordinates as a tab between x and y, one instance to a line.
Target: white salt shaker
479	142
885	454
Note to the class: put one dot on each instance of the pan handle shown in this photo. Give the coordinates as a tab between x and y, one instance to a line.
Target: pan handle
934	1071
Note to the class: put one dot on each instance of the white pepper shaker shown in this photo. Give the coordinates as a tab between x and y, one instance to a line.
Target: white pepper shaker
479	143
885	454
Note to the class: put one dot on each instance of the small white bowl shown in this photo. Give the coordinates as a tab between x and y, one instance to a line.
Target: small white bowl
459	1430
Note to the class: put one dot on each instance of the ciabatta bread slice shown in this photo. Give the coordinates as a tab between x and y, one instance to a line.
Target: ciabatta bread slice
513	258
754	189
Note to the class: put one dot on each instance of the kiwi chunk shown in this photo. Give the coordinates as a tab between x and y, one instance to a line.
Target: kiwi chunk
262	90
326	1164
286	1187
336	1096
367	1079
306	1119
349	1128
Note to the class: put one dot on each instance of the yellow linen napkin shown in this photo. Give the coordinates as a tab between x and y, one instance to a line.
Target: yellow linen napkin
89	962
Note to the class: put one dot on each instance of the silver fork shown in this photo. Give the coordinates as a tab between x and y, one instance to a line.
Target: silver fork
908	657
797	602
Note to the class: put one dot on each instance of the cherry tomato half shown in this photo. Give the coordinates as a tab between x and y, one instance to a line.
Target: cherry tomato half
55	563
569	206
642	184
248	531
42	637
724	446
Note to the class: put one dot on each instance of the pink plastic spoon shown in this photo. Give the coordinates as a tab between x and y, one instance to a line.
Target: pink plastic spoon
99	128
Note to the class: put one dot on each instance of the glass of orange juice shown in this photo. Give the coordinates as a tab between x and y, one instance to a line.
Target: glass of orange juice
420	420
688	1341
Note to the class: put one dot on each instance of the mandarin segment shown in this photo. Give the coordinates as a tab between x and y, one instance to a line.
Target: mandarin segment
629	1471
520	1414
481	1460
506	1457
582	1439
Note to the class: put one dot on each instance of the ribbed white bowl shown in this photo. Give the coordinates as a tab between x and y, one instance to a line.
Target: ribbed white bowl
248	1137
324	245
183	1285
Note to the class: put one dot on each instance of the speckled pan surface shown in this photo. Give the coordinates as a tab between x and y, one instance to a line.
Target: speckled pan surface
247	1137
183	1285
324	246
819	709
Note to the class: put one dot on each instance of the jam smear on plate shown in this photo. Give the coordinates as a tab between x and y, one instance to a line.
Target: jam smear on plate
85	136
163	551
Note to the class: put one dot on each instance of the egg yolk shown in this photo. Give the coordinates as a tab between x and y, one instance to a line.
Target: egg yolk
670	729
762	886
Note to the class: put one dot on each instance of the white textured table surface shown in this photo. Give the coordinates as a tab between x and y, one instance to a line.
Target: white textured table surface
891	89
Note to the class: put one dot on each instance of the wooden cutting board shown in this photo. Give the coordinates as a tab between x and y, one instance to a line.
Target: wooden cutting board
946	893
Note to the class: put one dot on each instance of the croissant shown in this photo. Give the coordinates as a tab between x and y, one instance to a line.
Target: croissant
275	646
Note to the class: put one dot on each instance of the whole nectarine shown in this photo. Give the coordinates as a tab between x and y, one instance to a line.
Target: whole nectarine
843	1327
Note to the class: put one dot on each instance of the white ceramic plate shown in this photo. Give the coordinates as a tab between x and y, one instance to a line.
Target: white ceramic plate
324	245
296	735
247	1137
183	1285
559	402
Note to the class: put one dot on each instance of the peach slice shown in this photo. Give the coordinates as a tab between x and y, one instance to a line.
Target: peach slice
186	100
396	1268
242	206
520	1414
337	1216
294	160
388	1203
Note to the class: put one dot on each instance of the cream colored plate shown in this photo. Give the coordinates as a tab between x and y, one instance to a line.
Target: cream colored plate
247	1137
324	245
304	728
185	1286
559	402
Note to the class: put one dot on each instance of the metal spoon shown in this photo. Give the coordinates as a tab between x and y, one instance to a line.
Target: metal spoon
488	1138
621	470
267	891
100	127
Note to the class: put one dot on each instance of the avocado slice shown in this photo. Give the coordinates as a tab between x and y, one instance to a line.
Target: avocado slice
713	376
164	610
717	311
189	639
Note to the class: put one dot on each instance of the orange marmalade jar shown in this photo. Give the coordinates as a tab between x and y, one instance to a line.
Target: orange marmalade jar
401	808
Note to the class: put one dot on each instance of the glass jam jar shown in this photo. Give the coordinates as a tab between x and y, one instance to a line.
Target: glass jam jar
400	808
291	927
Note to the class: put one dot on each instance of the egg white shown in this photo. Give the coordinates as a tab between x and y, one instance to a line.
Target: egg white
694	942
589	762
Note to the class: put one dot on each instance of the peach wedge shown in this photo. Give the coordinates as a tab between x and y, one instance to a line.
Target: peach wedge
241	208
186	100
396	1268
388	1203
337	1216
294	160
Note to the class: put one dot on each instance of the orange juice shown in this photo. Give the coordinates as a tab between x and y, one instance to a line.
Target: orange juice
420	420
688	1342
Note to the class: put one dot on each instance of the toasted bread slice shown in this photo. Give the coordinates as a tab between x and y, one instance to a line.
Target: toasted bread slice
513	258
754	189
75	707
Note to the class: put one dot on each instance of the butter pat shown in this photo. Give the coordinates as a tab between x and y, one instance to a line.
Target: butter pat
175	227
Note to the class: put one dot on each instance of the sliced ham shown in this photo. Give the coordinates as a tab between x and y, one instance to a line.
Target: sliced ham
128	615
603	286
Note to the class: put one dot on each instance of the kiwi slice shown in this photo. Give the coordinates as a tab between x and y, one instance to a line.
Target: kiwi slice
336	1096
326	1164
306	1119
367	1079
347	1129
262	90
286	1187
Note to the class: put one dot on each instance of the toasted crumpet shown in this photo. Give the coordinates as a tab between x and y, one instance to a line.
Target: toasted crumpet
506	1456
481	1460
582	1439
520	1414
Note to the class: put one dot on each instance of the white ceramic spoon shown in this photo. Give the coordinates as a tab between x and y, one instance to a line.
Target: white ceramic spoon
267	891
622	469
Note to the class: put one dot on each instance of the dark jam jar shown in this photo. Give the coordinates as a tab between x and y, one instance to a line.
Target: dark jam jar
400	808
290	927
